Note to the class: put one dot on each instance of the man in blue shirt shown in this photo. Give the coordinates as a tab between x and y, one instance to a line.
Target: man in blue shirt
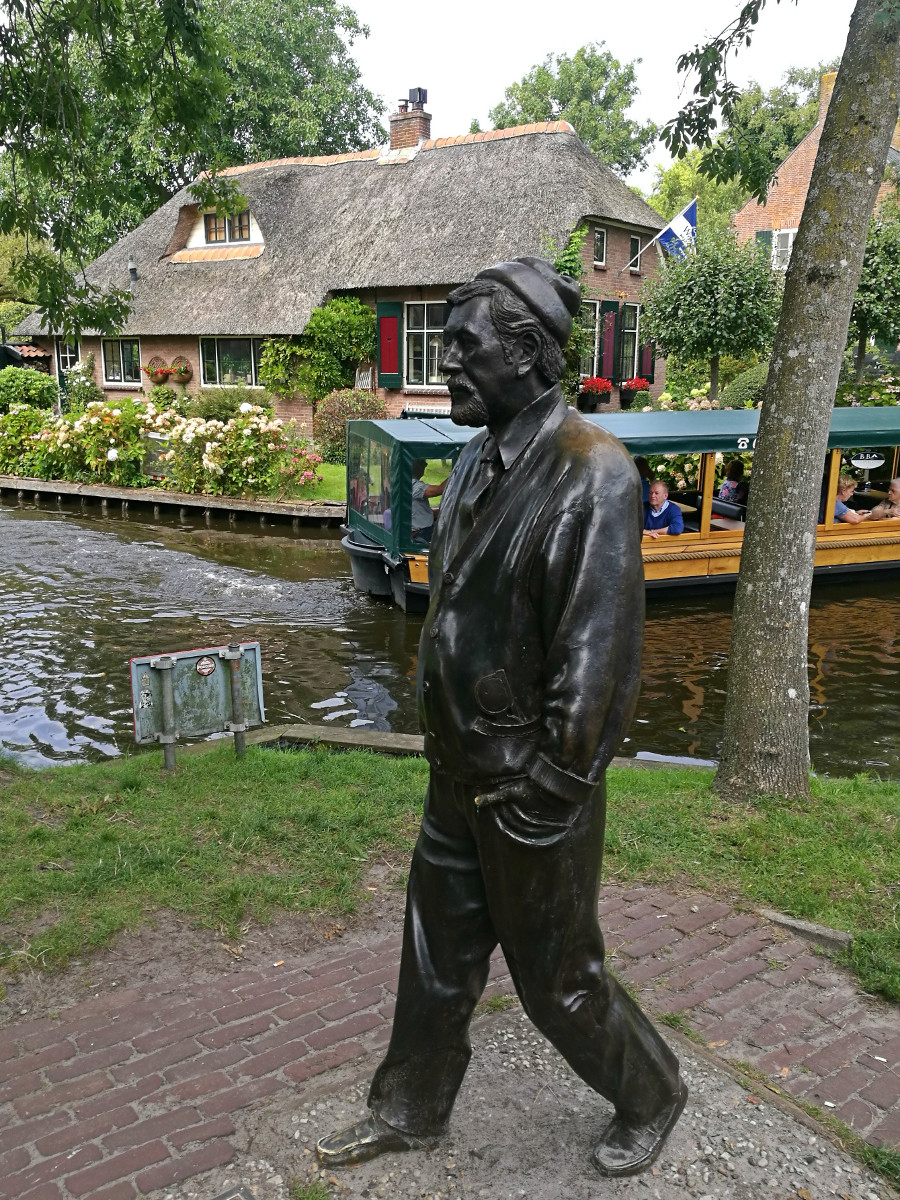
661	515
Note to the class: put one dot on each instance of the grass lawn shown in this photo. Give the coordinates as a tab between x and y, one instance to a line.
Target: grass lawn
332	487
334	481
90	850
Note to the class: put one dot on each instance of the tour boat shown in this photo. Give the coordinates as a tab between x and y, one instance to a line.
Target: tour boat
386	562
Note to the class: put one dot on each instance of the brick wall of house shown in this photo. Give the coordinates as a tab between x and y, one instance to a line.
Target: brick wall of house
786	196
617	281
166	348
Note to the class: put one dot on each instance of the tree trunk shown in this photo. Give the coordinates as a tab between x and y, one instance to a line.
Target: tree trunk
714	377
766	741
861	355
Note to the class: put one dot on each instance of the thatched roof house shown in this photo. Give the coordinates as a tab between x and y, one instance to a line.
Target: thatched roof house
398	226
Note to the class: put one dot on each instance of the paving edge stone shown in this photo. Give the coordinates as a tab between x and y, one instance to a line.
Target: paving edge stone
388	743
834	939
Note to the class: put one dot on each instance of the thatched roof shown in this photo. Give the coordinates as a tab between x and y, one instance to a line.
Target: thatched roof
434	215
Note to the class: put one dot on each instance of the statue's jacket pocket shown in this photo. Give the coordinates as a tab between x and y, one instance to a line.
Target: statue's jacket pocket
499	712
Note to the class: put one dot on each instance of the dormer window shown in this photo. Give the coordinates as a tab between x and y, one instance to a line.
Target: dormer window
221	230
240	226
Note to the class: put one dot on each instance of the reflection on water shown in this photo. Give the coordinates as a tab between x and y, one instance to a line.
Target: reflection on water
80	595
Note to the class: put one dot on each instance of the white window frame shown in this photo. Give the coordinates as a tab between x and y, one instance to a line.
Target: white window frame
635	267
425	331
229	240
632	371
595	304
601	262
60	369
781	255
228	338
120	383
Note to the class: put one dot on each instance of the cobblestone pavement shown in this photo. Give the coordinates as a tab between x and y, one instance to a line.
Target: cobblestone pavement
134	1091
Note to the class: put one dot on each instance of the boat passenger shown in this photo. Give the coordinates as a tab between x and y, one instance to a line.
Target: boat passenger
661	515
846	488
889	510
734	489
646	473
422	512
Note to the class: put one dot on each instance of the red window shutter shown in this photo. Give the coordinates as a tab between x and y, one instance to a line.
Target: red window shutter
390	345
609	327
389	328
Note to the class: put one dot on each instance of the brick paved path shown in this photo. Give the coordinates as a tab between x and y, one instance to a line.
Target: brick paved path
132	1091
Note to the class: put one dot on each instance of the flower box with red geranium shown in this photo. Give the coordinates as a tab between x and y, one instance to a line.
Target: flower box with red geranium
630	388
596	386
593	391
157	372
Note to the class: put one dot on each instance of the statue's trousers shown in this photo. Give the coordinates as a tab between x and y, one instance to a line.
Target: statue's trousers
485	875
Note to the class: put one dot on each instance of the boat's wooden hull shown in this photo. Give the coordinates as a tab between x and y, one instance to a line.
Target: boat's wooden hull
671	564
841	551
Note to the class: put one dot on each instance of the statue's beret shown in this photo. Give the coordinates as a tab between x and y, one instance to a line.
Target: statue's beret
552	297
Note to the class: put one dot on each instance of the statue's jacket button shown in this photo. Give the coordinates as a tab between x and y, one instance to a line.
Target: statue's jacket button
448	577
434	631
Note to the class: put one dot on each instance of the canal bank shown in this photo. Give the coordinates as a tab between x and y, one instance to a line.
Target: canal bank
322	514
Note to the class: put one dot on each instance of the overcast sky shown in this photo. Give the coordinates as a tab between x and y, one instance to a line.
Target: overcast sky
466	52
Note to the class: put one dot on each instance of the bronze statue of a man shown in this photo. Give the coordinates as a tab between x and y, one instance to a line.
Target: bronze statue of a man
528	673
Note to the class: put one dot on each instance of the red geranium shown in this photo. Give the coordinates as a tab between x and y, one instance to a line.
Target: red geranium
635	385
600	387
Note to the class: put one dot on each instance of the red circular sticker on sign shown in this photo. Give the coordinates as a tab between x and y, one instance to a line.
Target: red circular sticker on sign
206	666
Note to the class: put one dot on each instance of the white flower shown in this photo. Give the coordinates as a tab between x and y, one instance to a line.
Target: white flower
117	412
95	420
112	455
245	407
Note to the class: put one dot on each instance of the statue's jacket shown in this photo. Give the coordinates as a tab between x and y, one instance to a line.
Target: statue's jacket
529	662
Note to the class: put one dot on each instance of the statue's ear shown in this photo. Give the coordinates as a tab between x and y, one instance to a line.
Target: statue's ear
528	347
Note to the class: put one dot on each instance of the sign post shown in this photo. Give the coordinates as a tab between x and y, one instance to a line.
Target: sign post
193	693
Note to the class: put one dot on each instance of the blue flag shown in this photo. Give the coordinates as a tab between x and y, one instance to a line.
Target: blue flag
679	235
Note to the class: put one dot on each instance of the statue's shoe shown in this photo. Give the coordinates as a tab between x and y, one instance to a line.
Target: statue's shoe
627	1149
361	1142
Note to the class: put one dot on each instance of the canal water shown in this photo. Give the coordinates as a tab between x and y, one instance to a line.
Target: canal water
81	593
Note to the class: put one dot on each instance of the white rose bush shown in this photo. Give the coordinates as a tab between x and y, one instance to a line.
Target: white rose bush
253	454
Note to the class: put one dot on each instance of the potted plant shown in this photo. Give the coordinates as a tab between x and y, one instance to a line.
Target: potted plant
630	388
181	371
594	390
157	371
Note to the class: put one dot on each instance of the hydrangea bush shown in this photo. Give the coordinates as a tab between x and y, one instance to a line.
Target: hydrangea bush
252	454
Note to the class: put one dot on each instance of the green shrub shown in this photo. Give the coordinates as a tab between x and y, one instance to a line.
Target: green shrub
333	414
338	337
685	377
22	385
164	396
746	390
82	387
870	393
224	403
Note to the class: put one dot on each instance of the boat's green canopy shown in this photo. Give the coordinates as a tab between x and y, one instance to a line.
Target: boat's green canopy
380	454
735	429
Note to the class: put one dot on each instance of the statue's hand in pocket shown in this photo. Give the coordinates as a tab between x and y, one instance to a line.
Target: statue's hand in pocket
527	813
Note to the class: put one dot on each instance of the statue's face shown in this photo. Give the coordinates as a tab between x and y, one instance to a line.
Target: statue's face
479	377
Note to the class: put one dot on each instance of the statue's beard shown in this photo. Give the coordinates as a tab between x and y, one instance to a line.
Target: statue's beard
466	406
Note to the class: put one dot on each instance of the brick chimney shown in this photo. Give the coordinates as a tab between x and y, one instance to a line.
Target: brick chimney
826	87
411	124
